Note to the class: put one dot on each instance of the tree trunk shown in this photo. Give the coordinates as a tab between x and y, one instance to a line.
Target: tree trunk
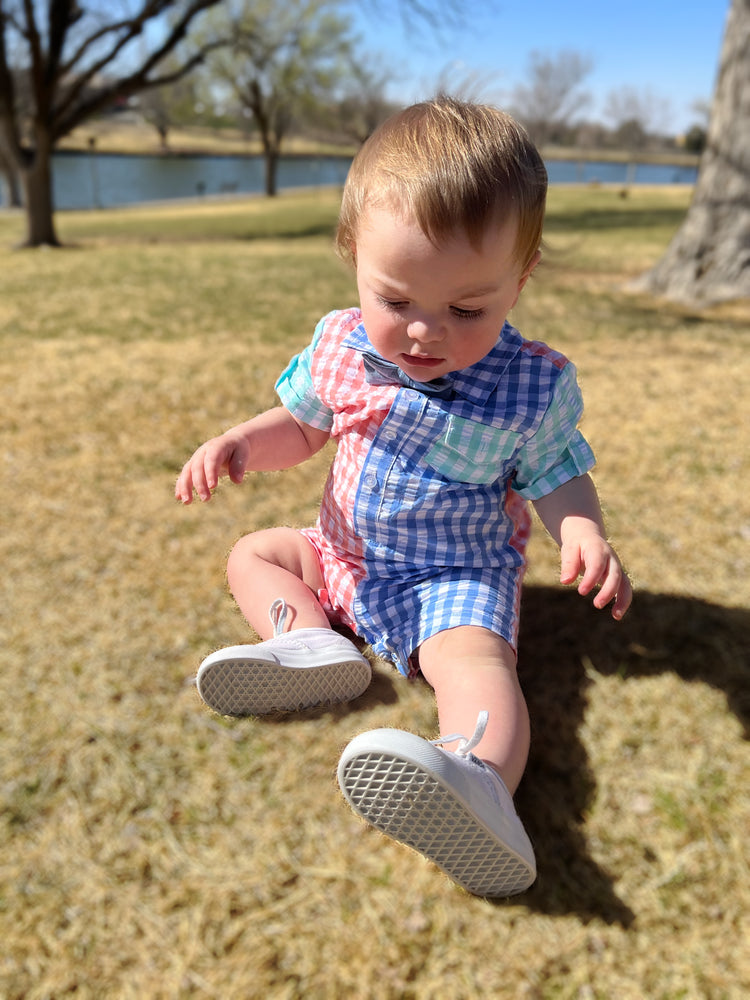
11	184
12	188
36	178
271	169
708	260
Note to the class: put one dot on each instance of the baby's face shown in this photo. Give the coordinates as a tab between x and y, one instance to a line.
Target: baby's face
434	309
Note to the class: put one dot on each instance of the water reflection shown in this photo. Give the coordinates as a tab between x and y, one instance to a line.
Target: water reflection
100	180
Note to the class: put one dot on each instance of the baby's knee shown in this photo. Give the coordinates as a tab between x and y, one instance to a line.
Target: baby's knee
464	646
249	548
239	556
284	547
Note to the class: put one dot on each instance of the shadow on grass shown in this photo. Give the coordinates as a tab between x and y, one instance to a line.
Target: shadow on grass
289	233
175	233
564	643
592	219
691	638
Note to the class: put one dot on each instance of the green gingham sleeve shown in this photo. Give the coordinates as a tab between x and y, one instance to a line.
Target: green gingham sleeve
557	452
296	390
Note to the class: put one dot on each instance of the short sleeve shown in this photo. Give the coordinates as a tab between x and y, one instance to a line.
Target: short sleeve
296	390
557	452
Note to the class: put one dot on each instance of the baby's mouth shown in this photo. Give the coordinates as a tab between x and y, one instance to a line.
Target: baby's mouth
421	361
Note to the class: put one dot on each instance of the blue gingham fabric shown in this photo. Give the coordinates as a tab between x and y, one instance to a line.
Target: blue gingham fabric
424	521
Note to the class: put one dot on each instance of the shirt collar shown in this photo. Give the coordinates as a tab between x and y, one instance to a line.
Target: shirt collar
476	383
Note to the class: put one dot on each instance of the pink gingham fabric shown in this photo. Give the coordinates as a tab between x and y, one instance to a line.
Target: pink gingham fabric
424	519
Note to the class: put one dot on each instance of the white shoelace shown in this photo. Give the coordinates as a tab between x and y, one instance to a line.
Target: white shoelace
466	746
277	613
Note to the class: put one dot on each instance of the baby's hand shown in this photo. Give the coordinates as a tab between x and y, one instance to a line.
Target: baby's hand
593	556
227	454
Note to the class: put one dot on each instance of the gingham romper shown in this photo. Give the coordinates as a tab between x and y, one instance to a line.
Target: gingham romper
424	519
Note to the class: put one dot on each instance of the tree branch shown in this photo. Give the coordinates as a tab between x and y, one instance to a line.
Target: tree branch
71	111
62	14
82	79
36	69
66	122
9	139
86	44
178	32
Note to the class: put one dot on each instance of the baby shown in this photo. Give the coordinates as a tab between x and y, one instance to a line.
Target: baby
447	424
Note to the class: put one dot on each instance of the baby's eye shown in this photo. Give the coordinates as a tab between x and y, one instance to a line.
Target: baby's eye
466	313
394	304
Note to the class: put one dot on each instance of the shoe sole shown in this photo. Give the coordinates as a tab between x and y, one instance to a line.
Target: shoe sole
241	687
408	802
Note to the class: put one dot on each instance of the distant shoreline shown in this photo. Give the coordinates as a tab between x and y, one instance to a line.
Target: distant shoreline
114	138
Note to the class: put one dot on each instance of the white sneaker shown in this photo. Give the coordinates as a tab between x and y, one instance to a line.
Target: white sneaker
450	806
291	671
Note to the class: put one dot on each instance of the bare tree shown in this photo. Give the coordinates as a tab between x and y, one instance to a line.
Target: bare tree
702	112
9	174
554	96
362	106
64	51
170	105
437	16
709	258
636	115
284	61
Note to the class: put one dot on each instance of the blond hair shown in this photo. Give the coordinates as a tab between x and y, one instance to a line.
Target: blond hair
449	164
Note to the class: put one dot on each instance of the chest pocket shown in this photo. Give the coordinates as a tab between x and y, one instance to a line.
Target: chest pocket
470	452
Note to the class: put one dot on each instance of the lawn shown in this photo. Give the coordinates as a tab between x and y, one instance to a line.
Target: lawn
152	850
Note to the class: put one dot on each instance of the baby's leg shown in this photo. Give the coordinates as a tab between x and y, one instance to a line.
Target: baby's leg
453	804
272	564
472	669
275	576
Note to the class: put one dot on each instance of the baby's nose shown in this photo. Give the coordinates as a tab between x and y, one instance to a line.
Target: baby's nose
425	329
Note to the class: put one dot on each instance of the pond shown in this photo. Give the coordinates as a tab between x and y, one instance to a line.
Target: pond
100	180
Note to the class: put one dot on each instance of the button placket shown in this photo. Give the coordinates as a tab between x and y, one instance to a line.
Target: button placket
381	483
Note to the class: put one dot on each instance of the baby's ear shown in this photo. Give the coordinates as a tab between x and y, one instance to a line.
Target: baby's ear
530	269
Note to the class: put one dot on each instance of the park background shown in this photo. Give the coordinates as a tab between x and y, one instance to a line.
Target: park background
150	849
255	76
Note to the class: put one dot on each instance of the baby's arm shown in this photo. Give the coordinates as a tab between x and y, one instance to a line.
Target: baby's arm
272	440
572	515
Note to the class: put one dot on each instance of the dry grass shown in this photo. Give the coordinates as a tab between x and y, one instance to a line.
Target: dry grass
149	849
